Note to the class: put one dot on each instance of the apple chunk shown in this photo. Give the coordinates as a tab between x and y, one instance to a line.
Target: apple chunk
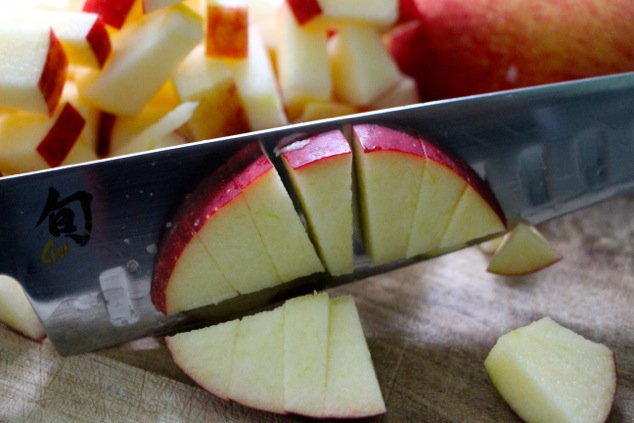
33	68
523	250
16	311
320	169
389	165
548	373
227	29
308	356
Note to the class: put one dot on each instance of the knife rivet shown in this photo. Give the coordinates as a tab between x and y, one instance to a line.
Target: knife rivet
132	266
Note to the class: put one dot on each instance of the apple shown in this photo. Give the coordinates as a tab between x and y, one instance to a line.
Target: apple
403	93
303	65
258	87
33	68
83	36
274	214
16	311
162	133
320	168
209	82
389	165
227	29
113	12
523	250
304	10
263	14
308	356
31	141
548	373
362	69
457	48
145	55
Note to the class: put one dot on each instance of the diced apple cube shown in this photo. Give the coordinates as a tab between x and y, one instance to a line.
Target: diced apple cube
16	311
114	12
381	13
227	29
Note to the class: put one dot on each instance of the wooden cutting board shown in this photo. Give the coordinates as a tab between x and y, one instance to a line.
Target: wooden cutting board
429	328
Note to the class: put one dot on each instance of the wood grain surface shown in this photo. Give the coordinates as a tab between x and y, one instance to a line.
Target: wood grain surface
429	328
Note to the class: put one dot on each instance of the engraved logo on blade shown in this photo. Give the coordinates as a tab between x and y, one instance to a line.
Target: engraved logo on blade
66	218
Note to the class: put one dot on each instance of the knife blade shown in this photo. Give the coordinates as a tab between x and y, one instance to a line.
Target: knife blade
82	239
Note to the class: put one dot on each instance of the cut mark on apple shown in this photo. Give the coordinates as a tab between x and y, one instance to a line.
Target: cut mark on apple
548	373
308	356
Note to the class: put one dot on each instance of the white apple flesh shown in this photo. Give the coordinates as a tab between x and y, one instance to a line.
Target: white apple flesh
548	373
16	311
522	251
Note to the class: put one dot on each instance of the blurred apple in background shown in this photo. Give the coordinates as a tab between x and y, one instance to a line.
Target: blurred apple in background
462	47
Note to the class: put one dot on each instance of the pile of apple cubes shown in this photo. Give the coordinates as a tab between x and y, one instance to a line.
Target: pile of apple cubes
84	80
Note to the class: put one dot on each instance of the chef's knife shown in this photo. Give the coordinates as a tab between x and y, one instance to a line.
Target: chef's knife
82	239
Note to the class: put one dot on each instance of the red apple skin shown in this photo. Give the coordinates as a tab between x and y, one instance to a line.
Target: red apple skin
53	77
227	32
99	41
62	136
304	10
462	169
105	127
113	12
461	47
319	147
378	138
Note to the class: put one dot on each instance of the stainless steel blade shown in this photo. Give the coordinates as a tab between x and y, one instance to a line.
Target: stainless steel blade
82	239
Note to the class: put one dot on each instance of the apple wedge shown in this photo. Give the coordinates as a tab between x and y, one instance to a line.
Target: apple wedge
320	169
389	166
33	68
16	311
522	251
308	356
548	373
227	29
145	55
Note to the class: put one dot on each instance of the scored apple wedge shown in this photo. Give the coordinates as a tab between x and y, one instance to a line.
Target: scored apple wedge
320	169
308	356
548	373
389	165
523	250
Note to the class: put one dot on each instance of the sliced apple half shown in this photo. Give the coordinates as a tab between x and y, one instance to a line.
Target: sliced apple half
548	373
522	251
16	311
320	168
306	357
389	166
33	68
145	55
274	214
